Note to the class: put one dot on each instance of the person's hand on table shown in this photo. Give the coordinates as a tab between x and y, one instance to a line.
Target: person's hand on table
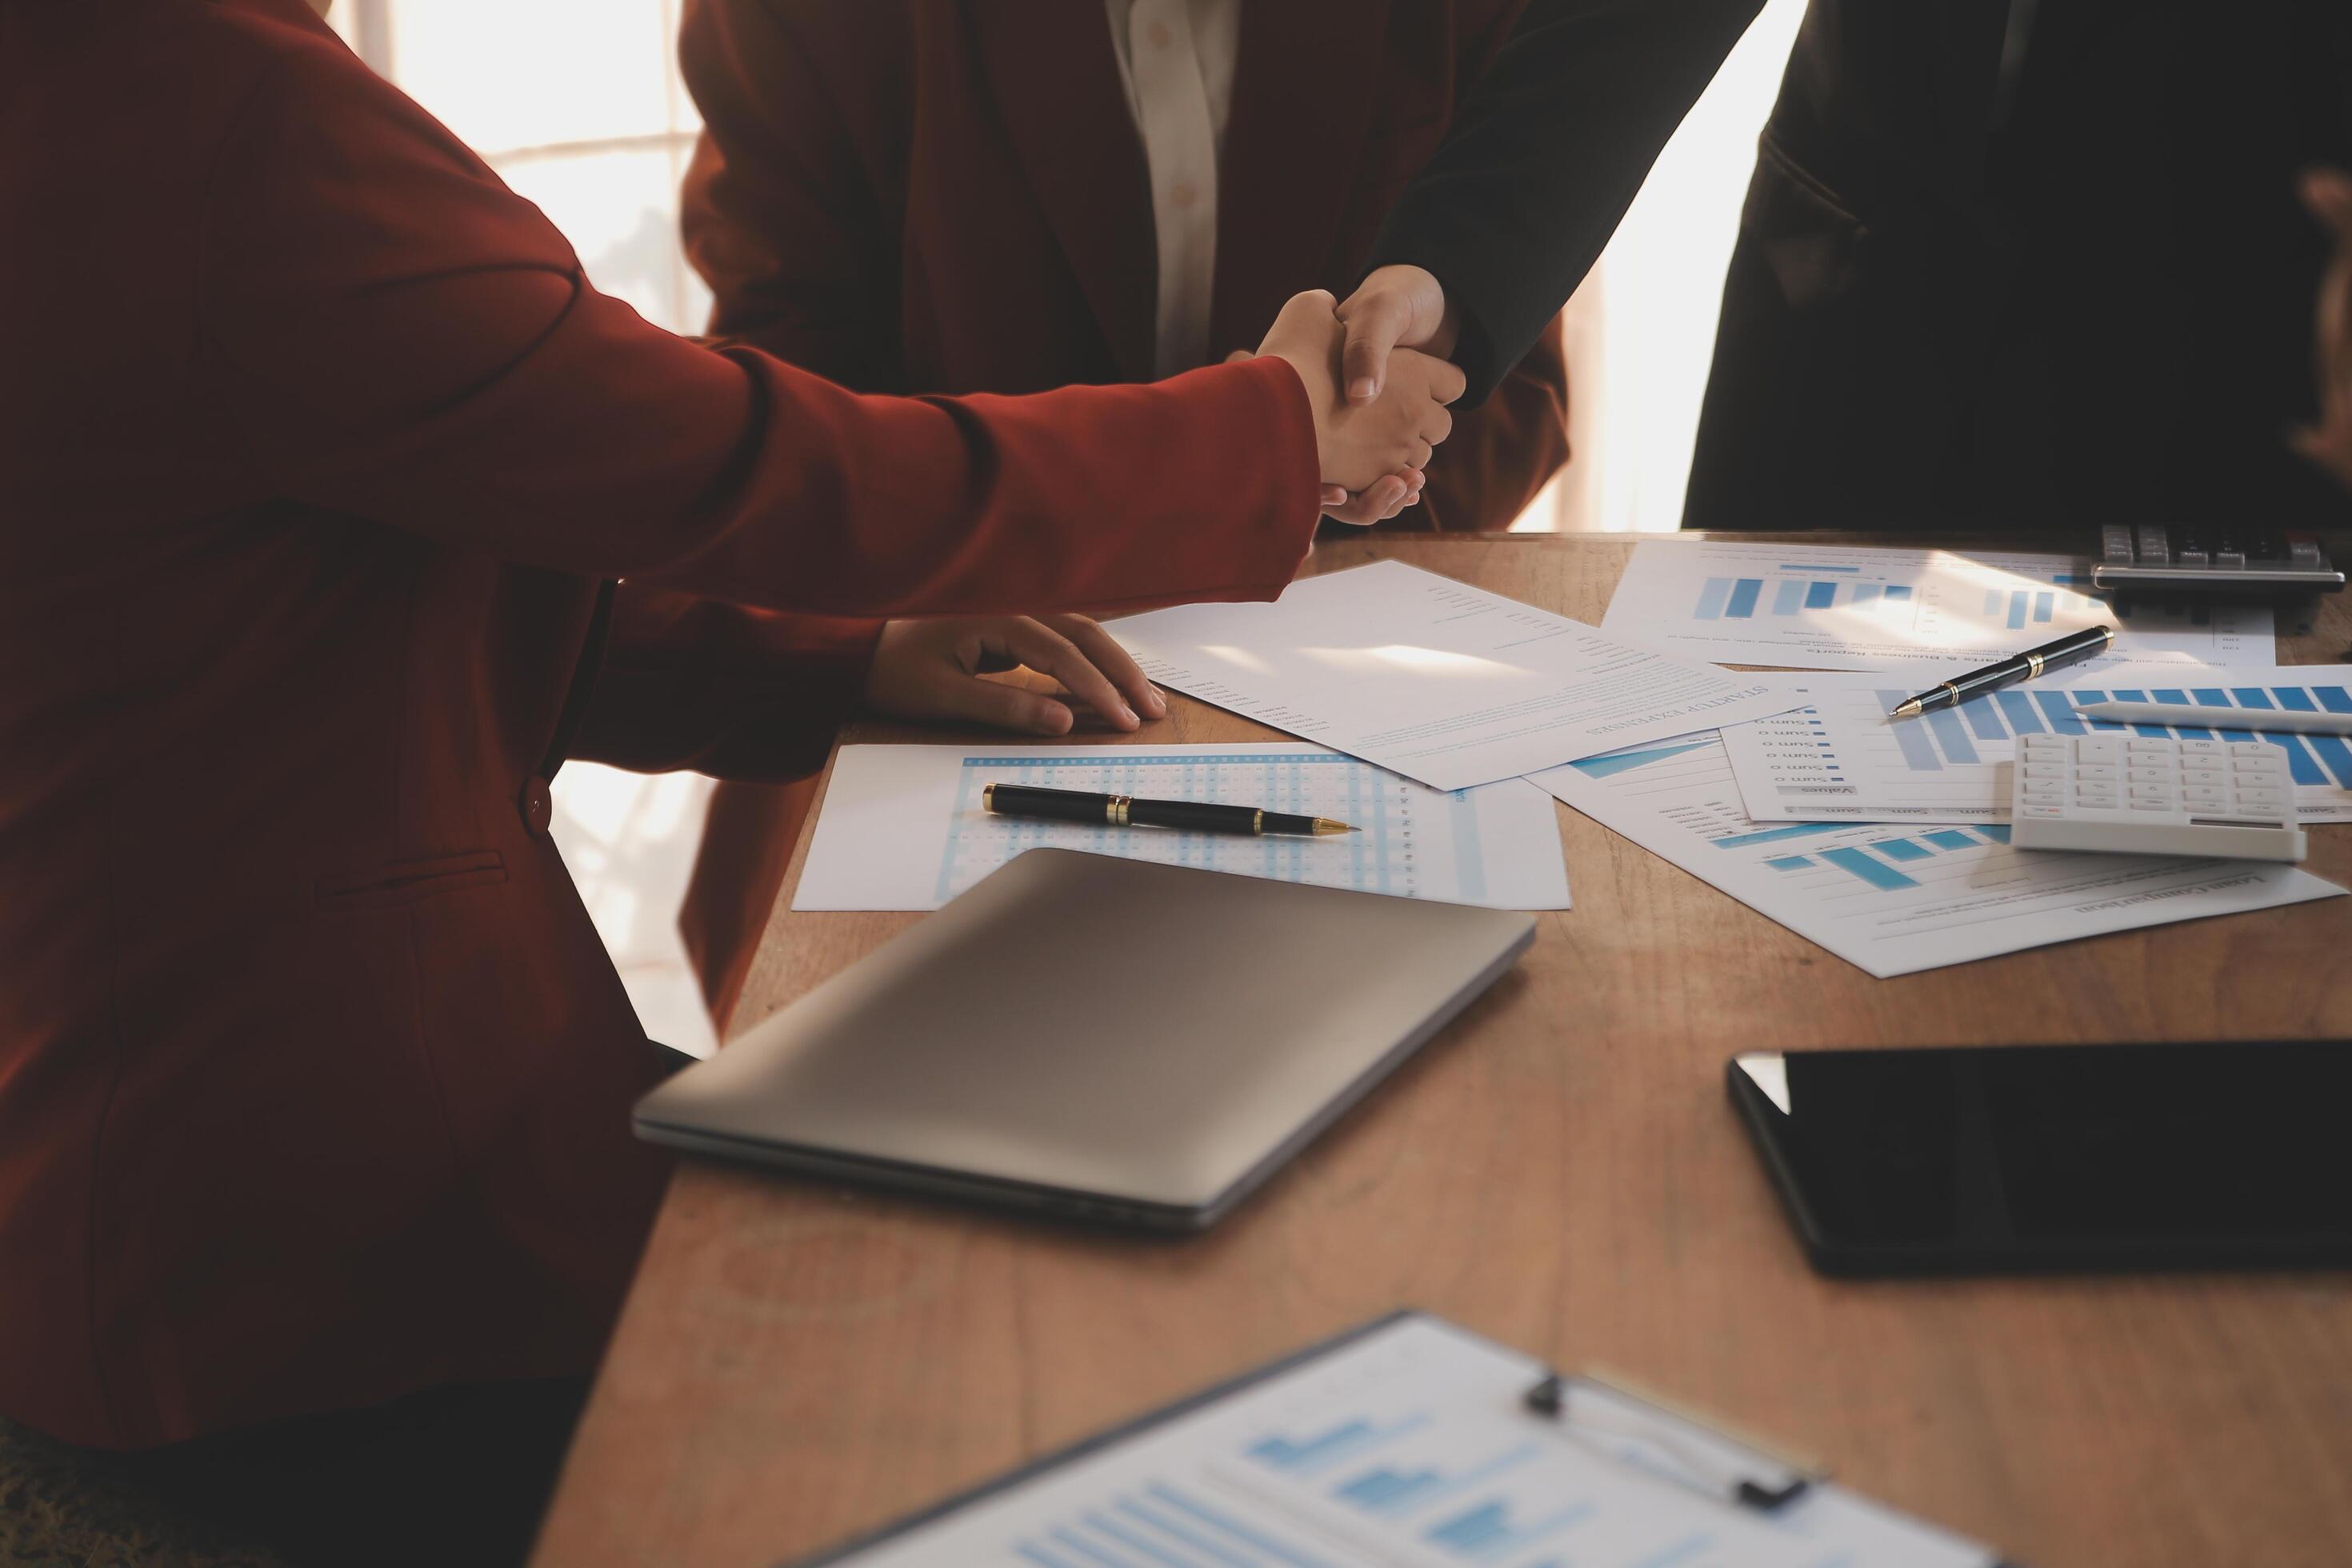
2328	442
930	669
1393	308
1371	453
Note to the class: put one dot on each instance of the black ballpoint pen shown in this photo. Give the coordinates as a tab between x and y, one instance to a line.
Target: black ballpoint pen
1126	811
2066	650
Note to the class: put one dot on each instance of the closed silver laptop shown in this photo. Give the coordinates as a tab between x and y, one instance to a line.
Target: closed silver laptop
1116	1039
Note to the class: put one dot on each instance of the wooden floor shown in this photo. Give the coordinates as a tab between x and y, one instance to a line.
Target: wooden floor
1560	1171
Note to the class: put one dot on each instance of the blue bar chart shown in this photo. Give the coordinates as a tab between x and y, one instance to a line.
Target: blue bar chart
1950	737
1844	759
1739	598
1491	1529
1873	607
1389	1492
1308	1454
1880	865
2018	608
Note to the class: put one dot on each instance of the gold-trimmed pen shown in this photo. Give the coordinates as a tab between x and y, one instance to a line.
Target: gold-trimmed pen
1126	811
2088	643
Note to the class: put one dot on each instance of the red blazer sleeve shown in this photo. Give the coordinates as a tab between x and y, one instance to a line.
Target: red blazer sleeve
1505	449
398	336
780	209
684	681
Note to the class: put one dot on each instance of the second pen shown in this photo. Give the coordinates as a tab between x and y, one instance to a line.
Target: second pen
1126	811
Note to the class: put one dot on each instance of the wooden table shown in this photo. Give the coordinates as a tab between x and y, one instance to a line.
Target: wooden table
1559	1170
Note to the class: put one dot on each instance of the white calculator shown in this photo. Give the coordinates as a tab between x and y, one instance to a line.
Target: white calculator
2129	794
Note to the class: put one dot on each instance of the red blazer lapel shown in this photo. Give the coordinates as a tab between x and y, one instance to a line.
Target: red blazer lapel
1302	100
1056	83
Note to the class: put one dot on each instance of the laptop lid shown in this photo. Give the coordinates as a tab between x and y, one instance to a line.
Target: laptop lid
1116	1038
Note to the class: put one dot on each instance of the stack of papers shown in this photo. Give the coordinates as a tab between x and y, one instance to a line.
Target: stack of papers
1773	789
1439	717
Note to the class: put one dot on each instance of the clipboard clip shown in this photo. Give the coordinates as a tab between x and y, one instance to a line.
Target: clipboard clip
1623	1418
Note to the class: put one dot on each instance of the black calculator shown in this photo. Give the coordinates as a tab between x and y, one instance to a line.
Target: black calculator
2153	561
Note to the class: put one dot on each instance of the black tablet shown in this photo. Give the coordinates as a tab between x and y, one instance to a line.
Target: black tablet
2039	1158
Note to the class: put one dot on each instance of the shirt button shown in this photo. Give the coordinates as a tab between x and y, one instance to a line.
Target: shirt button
1158	34
1183	194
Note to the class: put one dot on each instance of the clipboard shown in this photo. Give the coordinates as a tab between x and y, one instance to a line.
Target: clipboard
1407	1442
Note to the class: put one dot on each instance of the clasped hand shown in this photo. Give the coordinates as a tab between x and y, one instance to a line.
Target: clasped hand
1373	450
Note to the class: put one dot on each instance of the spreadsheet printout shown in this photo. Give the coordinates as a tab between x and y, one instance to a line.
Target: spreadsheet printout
1813	606
1894	900
1433	678
1408	1447
1841	758
902	826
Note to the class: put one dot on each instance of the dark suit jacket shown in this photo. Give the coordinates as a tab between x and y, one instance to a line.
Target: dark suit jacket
2070	290
2082	295
1544	157
314	1078
949	196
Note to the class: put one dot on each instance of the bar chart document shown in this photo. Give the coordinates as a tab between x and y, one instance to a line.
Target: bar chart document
1893	901
1842	757
1834	608
1409	1445
902	826
1432	678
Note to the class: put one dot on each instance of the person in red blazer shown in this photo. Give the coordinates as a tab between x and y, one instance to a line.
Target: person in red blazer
321	459
908	195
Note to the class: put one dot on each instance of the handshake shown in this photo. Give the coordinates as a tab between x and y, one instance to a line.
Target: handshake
1375	439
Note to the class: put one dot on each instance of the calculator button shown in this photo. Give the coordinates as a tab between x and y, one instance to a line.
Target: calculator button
2201	795
2203	776
2101	774
2260	800
2097	749
2151	791
2165	805
2148	775
2248	748
2043	748
2038	790
2044	771
2155	748
2200	748
2041	810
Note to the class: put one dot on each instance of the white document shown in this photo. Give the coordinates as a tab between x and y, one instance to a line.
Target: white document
902	826
1432	678
1896	900
1832	607
1409	1448
1841	758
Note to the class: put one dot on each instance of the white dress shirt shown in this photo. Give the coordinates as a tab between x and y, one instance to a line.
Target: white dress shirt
1176	59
